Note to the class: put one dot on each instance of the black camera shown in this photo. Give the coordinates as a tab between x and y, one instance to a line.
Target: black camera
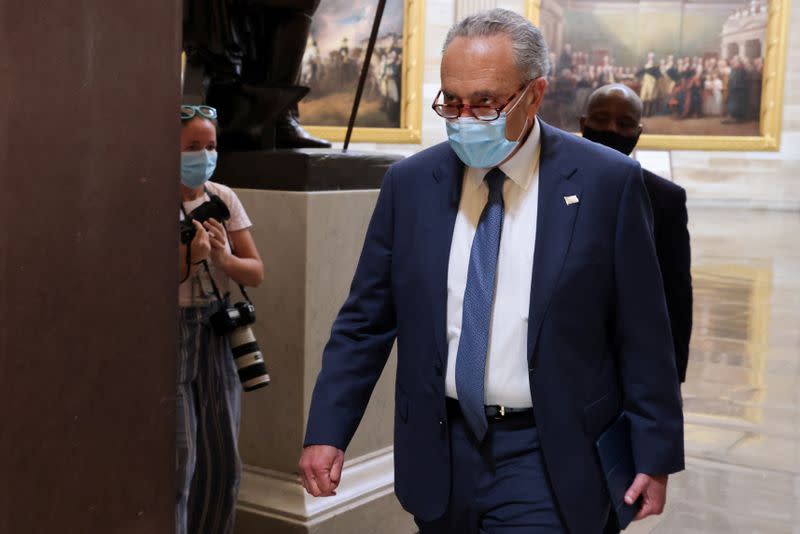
211	209
234	322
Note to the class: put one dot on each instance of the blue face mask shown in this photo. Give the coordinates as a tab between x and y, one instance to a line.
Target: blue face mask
480	143
483	144
197	167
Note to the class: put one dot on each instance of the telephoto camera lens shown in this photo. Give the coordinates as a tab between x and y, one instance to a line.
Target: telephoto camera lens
234	322
248	358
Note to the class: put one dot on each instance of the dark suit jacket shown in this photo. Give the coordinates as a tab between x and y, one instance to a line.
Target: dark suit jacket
668	201
599	339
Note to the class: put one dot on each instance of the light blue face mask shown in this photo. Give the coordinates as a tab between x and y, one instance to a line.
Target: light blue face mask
482	144
197	167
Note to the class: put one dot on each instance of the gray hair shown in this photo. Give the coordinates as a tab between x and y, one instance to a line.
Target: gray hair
530	50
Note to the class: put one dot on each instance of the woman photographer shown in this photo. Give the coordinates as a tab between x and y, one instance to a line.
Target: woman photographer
208	409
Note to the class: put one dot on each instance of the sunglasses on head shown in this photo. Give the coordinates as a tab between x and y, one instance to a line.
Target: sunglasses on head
189	112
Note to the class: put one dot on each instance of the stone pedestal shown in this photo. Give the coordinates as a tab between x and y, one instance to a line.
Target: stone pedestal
310	240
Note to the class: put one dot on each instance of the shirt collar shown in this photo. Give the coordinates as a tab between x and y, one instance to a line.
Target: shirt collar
520	168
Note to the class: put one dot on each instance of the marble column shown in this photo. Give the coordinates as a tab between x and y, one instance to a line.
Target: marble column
551	22
468	7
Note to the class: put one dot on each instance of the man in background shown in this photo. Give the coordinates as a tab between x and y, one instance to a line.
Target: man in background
613	118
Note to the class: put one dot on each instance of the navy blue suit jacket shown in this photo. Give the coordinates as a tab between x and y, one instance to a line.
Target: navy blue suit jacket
673	249
599	337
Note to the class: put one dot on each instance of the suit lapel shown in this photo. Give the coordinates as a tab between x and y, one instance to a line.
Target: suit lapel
555	220
448	180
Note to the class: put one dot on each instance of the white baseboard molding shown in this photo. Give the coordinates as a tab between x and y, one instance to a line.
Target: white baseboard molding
281	496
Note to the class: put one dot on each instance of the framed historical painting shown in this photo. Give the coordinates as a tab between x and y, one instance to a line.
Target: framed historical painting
390	110
709	72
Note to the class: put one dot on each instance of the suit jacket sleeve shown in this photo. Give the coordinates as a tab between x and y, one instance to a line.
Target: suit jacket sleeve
361	338
643	339
676	266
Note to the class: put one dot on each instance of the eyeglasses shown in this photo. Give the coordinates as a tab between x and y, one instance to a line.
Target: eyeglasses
189	112
482	113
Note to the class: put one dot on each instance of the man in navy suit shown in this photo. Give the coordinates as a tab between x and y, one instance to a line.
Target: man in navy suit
515	267
613	118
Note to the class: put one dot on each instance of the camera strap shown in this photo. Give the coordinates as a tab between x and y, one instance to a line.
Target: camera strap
216	291
230	243
188	263
214	287
188	252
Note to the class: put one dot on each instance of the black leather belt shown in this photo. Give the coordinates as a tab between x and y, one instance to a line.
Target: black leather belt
494	412
501	412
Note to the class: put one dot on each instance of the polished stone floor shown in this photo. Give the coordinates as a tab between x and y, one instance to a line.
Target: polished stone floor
742	394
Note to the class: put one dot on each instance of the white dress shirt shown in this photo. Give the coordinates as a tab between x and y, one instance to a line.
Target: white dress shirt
506	378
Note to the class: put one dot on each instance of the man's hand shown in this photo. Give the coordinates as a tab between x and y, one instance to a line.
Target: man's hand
653	491
321	469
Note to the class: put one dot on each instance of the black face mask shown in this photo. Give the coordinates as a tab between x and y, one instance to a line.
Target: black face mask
620	143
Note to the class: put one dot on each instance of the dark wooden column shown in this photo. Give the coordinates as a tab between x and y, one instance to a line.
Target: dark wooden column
89	163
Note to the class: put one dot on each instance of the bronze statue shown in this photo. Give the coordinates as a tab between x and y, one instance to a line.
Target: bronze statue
244	58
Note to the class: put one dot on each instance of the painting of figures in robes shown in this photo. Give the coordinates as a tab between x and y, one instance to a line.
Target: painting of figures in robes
698	66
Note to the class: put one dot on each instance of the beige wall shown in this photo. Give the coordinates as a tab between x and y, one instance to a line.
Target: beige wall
755	179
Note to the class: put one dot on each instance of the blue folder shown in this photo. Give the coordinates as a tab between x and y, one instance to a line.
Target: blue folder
616	459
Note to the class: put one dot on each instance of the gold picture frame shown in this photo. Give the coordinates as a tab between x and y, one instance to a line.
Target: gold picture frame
410	130
771	110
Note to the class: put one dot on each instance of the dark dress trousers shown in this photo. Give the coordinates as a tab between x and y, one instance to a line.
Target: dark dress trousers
599	339
670	219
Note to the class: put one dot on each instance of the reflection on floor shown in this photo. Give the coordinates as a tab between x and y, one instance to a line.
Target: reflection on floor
742	394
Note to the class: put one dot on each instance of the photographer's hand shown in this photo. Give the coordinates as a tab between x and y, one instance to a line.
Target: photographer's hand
240	261
218	237
201	245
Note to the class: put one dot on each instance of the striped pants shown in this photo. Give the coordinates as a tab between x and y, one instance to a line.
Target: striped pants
208	412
